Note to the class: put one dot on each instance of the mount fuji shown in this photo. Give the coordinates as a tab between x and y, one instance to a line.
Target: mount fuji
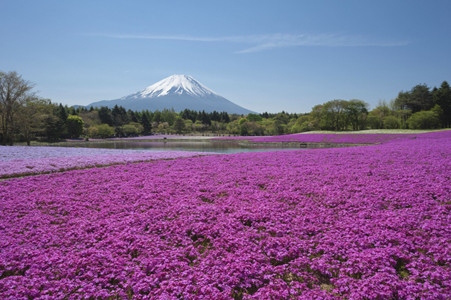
178	92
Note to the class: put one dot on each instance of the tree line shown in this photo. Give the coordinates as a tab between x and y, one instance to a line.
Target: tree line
25	117
418	108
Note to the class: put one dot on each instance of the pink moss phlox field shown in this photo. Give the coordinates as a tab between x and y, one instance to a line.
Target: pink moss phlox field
369	222
21	160
153	137
351	138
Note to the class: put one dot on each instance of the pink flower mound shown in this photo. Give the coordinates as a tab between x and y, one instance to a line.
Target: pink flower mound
367	222
67	159
338	138
335	138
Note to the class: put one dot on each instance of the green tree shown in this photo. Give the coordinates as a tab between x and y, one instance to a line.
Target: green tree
101	131
188	125
331	115
339	115
374	122
204	118
138	127
90	118
92	132
282	118
179	125
132	116
317	115
188	114
61	112
53	128
74	126
376	117
424	120
403	115
14	93
105	116
163	128
442	97
254	118
243	127
390	122
254	128
303	123
31	118
145	122
417	99
156	117
168	115
357	113
199	126
119	115
131	129
233	127
225	117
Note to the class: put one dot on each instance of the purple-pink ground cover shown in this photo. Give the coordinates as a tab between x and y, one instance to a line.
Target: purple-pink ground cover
368	222
23	160
351	138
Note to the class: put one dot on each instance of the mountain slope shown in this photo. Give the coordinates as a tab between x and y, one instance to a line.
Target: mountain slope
178	92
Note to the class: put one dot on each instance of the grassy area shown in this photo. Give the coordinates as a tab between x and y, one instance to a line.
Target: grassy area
379	131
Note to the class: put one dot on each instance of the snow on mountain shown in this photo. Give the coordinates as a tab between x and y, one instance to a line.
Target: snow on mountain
175	92
175	84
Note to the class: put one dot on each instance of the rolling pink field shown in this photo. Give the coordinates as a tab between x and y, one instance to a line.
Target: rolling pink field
369	222
342	138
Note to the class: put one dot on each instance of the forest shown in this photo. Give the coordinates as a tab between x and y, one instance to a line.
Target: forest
24	117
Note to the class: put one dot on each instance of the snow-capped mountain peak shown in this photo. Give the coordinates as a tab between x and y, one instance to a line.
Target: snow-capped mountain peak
176	84
176	92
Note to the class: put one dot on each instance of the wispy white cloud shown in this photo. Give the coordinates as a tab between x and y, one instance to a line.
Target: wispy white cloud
324	40
258	43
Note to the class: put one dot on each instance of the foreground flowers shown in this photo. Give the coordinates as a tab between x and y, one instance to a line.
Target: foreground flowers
365	222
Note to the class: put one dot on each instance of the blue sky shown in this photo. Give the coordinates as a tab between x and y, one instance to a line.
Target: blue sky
263	55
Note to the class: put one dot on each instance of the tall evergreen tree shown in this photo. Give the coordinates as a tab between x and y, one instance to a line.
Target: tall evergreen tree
54	128
145	122
156	116
132	116
119	116
204	118
61	112
179	125
417	99
214	116
442	97
225	117
105	116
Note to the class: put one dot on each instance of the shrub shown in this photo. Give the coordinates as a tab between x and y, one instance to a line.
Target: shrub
423	120
74	126
391	122
131	129
101	131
